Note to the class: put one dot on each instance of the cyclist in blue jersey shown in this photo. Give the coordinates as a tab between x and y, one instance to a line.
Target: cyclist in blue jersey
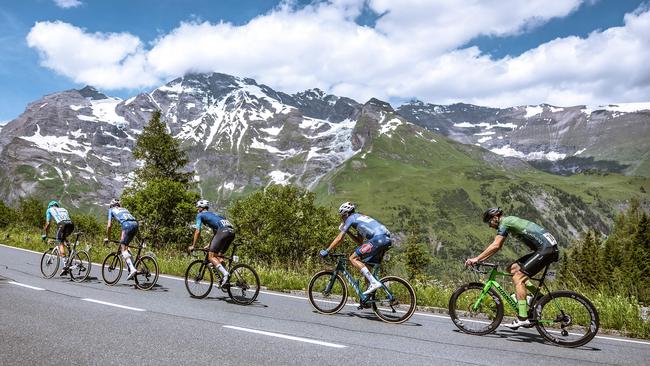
129	230
544	252
373	239
224	234
65	227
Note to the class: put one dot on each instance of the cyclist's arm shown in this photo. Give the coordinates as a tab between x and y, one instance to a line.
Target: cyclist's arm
336	241
47	221
108	228
491	249
197	234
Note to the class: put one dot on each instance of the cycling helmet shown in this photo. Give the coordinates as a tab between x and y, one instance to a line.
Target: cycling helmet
203	204
114	202
490	213
53	203
347	208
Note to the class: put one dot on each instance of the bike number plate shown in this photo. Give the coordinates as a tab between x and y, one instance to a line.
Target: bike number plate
235	258
550	275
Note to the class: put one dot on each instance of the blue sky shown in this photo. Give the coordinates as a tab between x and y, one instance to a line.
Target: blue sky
492	53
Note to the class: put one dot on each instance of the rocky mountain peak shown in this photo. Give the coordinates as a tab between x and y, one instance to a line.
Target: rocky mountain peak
91	93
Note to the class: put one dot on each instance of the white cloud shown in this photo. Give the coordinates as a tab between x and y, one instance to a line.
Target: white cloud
415	49
65	4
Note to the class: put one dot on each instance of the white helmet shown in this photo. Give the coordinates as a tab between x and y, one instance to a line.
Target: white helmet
203	204
347	208
114	202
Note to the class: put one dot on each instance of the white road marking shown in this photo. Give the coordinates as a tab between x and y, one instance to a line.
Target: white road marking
111	304
28	286
277	335
304	298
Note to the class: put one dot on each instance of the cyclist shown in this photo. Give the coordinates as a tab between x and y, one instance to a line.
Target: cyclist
373	239
65	227
541	242
129	230
223	235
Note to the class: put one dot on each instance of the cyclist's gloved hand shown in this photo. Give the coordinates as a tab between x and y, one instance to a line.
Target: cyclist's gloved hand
43	237
105	241
323	253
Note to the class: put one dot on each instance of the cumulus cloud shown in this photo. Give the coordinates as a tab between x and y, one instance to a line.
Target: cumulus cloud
415	49
65	4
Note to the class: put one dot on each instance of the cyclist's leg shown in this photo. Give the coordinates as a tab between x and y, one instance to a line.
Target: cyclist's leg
129	229
218	246
362	254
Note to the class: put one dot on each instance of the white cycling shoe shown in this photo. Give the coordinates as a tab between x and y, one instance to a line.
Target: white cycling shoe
131	275
518	323
372	288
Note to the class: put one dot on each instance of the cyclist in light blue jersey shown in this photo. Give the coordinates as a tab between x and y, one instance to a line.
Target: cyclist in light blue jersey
129	230
224	234
65	227
373	239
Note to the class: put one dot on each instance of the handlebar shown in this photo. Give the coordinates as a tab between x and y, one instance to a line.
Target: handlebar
477	267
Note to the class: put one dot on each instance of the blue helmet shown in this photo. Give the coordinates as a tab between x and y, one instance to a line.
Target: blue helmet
53	203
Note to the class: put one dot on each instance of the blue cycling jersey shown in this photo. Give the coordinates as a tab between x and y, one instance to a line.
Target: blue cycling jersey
365	225
121	214
57	213
212	220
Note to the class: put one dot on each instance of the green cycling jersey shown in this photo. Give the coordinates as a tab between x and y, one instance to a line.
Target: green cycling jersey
531	234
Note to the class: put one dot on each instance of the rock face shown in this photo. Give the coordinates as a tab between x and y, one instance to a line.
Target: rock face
240	135
562	140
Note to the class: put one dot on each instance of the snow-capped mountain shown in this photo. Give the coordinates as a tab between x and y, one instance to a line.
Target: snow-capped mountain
613	137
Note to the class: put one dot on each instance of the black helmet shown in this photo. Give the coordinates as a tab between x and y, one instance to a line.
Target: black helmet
490	213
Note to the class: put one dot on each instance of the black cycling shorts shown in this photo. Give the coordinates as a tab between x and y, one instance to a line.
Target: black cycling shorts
65	228
222	239
534	262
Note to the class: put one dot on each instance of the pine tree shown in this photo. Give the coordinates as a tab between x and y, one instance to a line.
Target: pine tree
416	253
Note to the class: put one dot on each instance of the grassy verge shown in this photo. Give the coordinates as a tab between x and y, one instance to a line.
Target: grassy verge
616	312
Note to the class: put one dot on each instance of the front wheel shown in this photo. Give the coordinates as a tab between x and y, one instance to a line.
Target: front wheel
147	272
474	312
244	284
50	262
566	319
395	301
198	279
112	269
327	292
80	266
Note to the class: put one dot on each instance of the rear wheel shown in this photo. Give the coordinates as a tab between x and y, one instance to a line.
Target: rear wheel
112	269
244	284
473	312
198	279
147	272
80	266
327	292
395	301
50	262
566	319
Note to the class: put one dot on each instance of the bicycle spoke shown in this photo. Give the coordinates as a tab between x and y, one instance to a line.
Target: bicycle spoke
566	318
394	302
327	292
473	312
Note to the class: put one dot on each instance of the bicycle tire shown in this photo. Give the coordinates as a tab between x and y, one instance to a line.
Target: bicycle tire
196	283
80	266
570	304
50	262
318	296
244	284
112	269
147	272
388	309
459	316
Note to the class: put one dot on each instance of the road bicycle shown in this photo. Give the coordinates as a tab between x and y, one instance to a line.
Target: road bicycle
243	286
78	261
145	265
394	302
564	318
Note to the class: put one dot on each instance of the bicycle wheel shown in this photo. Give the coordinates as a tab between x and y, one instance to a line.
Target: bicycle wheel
566	319
473	313
198	279
80	266
327	292
244	284
395	301
147	275
112	269
50	262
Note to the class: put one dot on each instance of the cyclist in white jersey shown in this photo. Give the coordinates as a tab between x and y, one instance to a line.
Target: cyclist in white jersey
65	227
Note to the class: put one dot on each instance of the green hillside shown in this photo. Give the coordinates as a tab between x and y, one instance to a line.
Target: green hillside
419	178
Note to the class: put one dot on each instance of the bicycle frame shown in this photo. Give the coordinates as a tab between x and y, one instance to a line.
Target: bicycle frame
70	248
341	267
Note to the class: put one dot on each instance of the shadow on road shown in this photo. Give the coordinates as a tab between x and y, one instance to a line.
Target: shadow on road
369	316
524	337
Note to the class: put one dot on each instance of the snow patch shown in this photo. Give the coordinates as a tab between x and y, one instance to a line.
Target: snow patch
579	152
390	126
77	107
535	155
279	177
57	144
274	131
483	139
532	111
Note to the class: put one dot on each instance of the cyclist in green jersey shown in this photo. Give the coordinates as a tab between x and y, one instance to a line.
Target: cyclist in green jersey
541	242
64	228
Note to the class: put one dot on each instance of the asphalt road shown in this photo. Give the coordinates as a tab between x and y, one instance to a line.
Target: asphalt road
56	321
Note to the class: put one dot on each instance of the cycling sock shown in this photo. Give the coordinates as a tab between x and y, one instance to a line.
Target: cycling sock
64	261
222	269
366	273
523	308
127	258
